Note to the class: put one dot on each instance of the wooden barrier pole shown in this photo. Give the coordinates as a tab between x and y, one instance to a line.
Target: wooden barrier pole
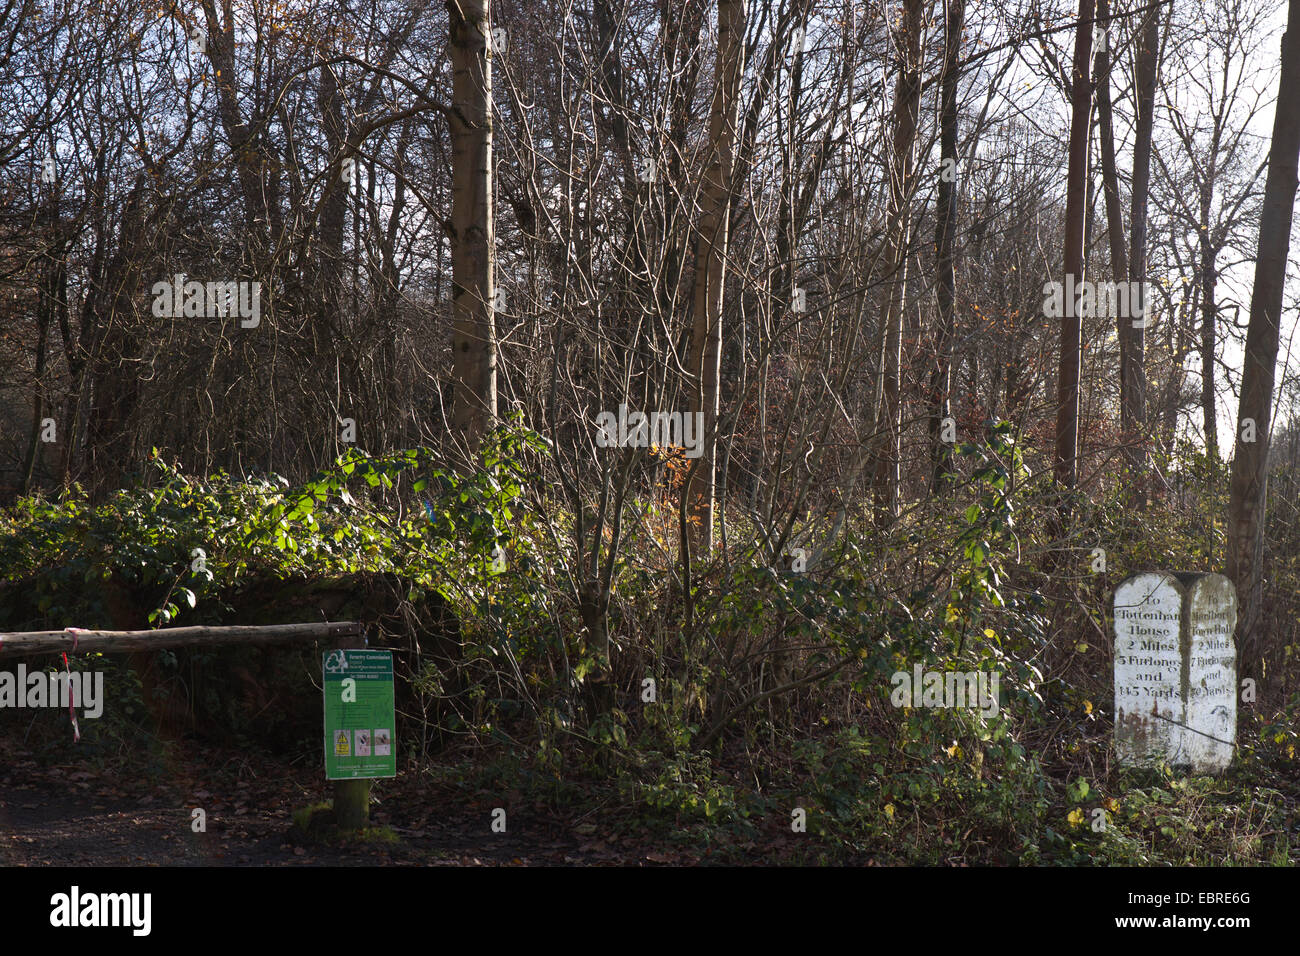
110	642
352	797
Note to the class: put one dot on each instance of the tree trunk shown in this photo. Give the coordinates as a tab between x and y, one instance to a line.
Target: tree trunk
907	104
51	288
1067	393
246	146
1115	233
473	336
1209	316
1249	487
711	255
944	231
1133	375
38	388
335	200
1109	174
1180	345
115	371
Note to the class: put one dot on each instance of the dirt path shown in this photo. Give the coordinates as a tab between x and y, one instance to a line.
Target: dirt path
74	816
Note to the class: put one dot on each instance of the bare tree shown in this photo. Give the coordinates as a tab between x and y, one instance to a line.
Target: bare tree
1210	183
1249	484
906	114
711	253
1133	374
945	236
473	337
1067	395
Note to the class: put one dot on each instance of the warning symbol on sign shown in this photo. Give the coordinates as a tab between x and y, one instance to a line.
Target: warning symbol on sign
341	746
382	746
363	743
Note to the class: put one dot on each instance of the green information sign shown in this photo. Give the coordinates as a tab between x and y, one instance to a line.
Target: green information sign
359	715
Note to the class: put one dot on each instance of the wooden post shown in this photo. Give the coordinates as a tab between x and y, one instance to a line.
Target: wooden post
351	797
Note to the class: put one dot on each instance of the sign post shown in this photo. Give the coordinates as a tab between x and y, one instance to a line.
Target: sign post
359	728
